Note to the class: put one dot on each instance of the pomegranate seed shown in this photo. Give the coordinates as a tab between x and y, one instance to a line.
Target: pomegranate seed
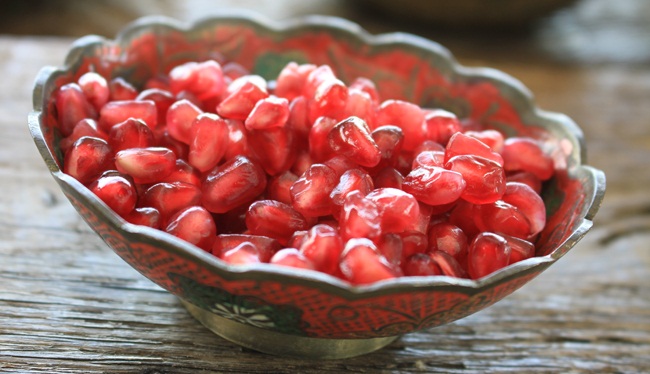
245	92
72	106
434	185
183	172
315	77
388	177
115	112
203	79
407	116
399	210
319	144
117	192
429	145
413	242
367	86
234	183
359	217
323	246
95	88
391	247
389	140
520	249
146	165
503	218
238	144
298	120
292	257
233	70
351	180
485	179
310	194
360	104
525	154
461	144
243	254
429	159
85	127
170	198
121	90
329	100
162	99
274	149
144	216
132	133
362	264
351	138
180	118
529	203
527	178
265	247
421	264
274	219
463	215
279	187
87	159
341	164
448	238
194	225
208	141
292	79
297	239
441	125
268	113
163	139
492	138
448	265
488	253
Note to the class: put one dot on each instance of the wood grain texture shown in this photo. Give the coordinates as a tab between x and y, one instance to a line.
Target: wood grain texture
68	304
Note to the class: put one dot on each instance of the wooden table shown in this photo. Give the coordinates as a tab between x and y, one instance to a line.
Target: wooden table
68	304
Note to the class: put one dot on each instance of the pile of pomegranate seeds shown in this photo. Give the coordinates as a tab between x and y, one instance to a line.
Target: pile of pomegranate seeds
305	171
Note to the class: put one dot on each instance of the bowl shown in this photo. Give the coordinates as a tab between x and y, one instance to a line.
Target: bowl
302	313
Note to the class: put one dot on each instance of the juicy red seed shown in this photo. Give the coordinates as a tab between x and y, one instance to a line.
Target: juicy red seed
117	192
315	77
504	218
329	100
341	164
448	238
275	148
234	183
429	145
319	144
85	127
351	138
367	86
461	144
485	179
420	264
234	70
146	165
274	219
144	216
72	106
163	139
399	210
208	141
323	246
448	265
243	254
268	113
297	239
87	159
302	164
95	88
310	194
434	185
429	159
292	257
360	104
441	125
389	140
162	99
527	178
265	247
463	215
170	198
246	92
291	80
527	155
351	180
115	112
121	90
407	116
413	242
488	253
520	249
298	120
529	203
194	225
132	133
238	144
202	79
180	118
359	217
388	177
183	172
492	138
391	247
279	187
362	264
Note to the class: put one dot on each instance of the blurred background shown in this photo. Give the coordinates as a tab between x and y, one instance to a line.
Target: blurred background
546	31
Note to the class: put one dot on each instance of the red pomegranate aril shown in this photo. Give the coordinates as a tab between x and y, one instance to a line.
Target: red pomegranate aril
329	100
360	104
291	80
162	99
208	141
115	112
232	70
448	238
194	225
274	148
85	127
298	117
279	187
391	247
241	101
359	217
144	216
315	78
87	159
146	165
492	138
488	253
121	90
485	179
527	155
463	215
429	145
319	144
265	247
520	249
297	238
302	163
502	218
351	180
362	264
420	264
367	86
407	116
160	82
202	79
323	246
388	177
163	139
434	185
180	118
243	254
389	140
238	144
268	113
236	182
351	138
274	219
413	242
132	133
72	106
448	265
399	210
310	194
341	164
117	192
429	159
183	172
440	125
292	257
527	178
461	144
170	198
529	203
95	88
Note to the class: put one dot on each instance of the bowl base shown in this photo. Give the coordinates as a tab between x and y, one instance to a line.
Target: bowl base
276	343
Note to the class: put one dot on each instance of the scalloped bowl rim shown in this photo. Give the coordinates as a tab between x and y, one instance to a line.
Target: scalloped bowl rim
285	274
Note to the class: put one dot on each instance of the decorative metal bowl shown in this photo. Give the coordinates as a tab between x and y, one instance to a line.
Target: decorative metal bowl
302	313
